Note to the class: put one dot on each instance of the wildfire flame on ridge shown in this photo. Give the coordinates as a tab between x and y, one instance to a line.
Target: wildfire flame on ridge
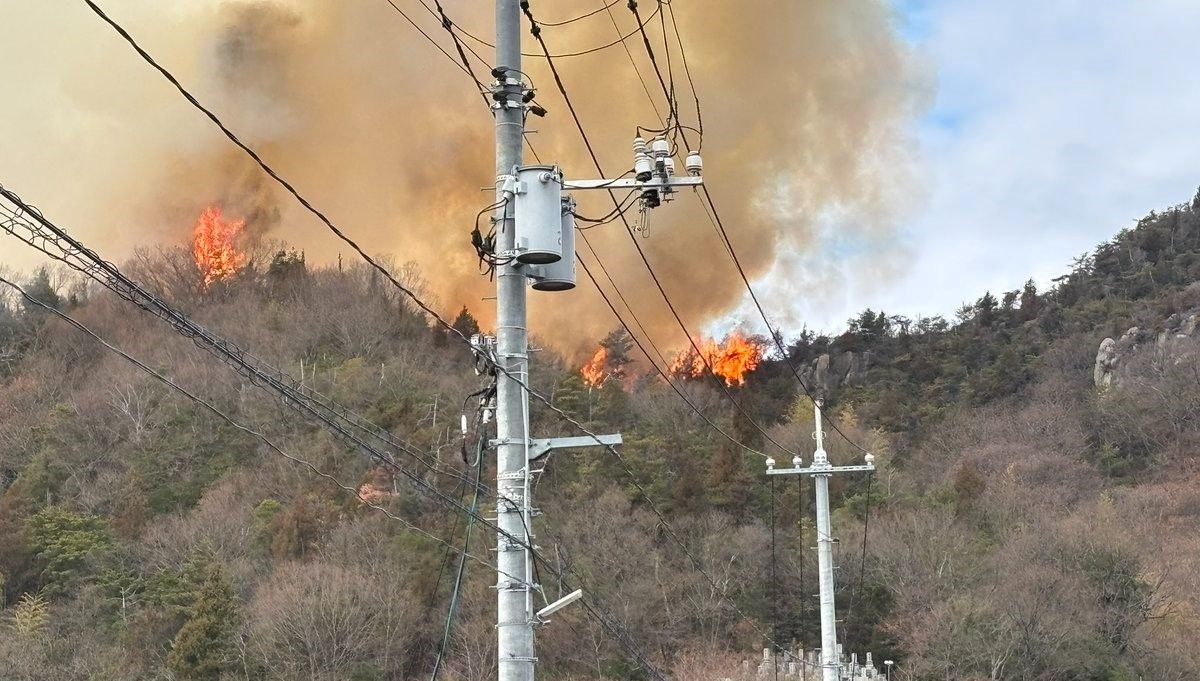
213	246
730	360
593	372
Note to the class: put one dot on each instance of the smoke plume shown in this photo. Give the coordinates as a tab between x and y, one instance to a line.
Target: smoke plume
807	112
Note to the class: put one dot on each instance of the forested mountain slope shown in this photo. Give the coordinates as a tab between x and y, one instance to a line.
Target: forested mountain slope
1023	525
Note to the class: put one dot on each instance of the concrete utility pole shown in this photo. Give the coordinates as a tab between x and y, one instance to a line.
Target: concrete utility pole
514	587
821	470
535	245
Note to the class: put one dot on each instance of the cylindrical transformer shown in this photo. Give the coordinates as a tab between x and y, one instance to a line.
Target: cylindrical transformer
559	276
538	212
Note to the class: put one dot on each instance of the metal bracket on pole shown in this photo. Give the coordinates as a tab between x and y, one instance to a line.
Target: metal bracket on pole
558	605
820	470
539	447
633	183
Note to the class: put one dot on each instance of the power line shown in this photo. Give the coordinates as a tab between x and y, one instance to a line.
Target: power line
605	621
629	230
465	66
660	372
391	279
572	20
462	564
43	235
422	305
669	93
357	249
862	567
645	88
697	566
225	417
775	336
579	53
688	71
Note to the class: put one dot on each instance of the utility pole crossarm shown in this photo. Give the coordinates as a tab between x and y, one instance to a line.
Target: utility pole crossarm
634	183
539	447
825	470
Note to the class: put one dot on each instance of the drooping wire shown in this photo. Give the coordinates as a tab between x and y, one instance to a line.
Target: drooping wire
462	562
452	528
633	63
170	383
612	215
862	566
563	55
465	66
423	306
803	550
572	20
485	246
771	331
687	71
774	588
536	32
668	91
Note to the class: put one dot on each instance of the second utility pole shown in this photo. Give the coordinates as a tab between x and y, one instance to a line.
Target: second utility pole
821	470
514	588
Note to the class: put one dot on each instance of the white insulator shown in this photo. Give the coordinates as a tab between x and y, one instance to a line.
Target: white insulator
693	164
797	461
643	168
770	462
870	459
463	425
660	147
639	145
538	215
669	165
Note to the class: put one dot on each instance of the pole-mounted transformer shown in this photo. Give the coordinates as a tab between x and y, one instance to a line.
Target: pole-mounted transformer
537	203
544	214
559	276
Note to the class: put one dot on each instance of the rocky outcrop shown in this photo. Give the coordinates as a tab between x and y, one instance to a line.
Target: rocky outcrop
1106	363
1113	352
1109	356
827	373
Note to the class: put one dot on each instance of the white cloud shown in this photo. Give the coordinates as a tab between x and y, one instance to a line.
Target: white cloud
1056	124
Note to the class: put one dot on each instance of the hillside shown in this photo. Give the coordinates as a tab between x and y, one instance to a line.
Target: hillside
1024	524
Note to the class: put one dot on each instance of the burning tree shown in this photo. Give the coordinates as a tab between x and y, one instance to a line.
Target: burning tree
732	359
214	248
609	361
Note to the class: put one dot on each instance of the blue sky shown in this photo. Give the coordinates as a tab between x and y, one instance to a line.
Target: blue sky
1053	125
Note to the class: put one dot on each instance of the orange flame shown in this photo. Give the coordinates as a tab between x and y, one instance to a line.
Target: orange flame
213	245
730	360
593	372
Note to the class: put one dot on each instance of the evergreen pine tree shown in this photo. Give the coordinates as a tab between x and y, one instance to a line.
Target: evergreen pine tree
203	649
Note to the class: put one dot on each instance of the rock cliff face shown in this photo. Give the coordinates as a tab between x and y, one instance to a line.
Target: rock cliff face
1112	352
827	373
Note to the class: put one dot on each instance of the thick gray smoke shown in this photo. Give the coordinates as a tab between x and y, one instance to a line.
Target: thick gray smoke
808	110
